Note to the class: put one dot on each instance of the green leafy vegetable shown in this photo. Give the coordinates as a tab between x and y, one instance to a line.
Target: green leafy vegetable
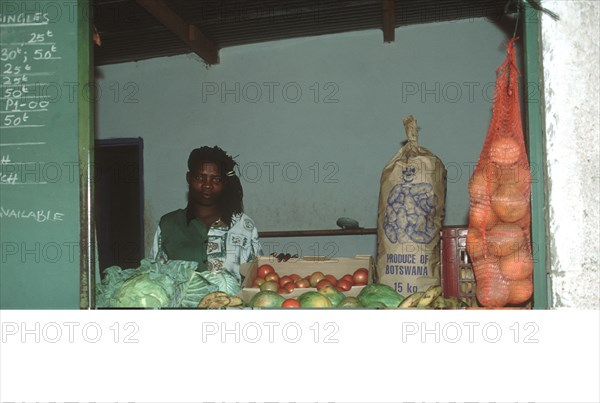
224	280
141	291
197	288
153	285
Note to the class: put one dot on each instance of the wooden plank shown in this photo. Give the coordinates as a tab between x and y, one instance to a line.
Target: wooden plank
319	232
188	33
389	21
537	158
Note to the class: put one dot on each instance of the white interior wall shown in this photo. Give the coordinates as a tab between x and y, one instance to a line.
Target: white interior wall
570	51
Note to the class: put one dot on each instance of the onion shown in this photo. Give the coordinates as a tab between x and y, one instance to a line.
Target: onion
520	291
475	246
524	222
486	267
509	203
517	174
493	291
518	265
481	215
483	182
504	239
505	150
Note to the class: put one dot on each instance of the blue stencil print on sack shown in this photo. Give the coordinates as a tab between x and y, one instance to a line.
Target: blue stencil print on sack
410	211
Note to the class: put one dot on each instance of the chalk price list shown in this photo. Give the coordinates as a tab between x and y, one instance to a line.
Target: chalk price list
27	50
19	100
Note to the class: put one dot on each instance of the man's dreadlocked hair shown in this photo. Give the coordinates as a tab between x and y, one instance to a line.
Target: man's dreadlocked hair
230	201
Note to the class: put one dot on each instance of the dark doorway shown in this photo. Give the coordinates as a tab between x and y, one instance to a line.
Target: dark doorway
119	202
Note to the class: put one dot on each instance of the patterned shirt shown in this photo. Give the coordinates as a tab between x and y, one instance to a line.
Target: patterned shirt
226	247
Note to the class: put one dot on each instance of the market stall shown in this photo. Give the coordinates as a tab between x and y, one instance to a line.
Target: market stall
293	220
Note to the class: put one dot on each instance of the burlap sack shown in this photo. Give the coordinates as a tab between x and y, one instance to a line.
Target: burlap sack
411	210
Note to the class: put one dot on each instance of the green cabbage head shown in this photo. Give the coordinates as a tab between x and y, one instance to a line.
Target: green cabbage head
141	291
154	284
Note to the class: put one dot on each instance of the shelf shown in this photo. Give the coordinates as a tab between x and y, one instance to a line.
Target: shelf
319	232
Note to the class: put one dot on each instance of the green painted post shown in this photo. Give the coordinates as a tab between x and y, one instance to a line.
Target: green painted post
537	157
86	142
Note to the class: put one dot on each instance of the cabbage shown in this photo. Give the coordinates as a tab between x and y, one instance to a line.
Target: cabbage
153	285
224	280
140	291
197	288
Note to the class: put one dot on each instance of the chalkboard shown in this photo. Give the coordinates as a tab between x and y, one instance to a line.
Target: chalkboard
44	138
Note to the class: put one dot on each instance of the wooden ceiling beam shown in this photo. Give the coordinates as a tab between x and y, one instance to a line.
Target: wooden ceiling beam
188	33
389	21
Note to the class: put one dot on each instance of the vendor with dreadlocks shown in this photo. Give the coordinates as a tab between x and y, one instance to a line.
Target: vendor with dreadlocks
213	229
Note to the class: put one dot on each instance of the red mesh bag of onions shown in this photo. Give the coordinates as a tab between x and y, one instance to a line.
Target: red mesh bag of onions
499	237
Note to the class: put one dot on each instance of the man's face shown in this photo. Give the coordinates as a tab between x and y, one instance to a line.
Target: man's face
206	184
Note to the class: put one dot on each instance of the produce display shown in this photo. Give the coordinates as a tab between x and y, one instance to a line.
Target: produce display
267	279
371	296
498	240
177	284
157	284
319	289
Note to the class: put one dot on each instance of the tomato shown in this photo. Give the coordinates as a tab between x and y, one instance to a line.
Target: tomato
290	286
290	303
302	283
294	277
315	278
282	291
361	276
272	277
324	283
284	280
258	282
269	286
348	278
344	285
331	279
264	270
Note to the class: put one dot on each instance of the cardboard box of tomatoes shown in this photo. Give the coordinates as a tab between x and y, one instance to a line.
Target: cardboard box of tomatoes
299	275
